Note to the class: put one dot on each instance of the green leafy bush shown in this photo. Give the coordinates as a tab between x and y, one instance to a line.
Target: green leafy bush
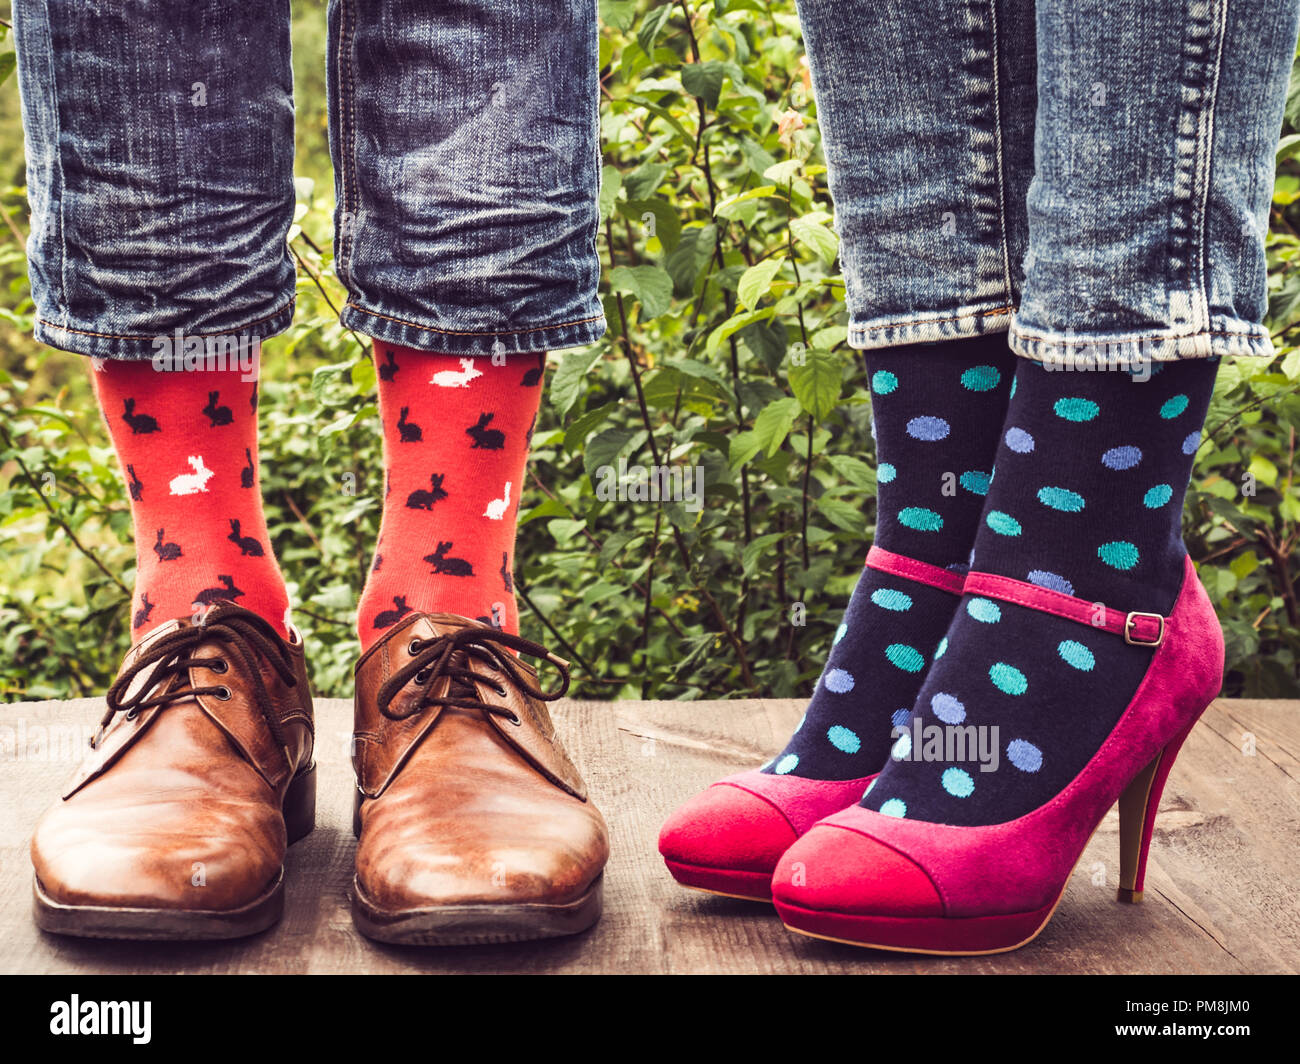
726	354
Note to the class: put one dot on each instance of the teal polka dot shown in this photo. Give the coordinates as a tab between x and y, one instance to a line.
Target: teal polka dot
909	659
883	382
1070	502
975	482
889	599
902	749
786	764
985	610
885	473
843	739
1157	496
958	782
1013	387
1002	524
941	649
1076	654
920	519
840	633
894	807
980	378
1119	554
1076	409
1173	407
1008	679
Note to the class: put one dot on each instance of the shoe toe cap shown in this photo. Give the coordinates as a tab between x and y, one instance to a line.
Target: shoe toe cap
726	826
833	869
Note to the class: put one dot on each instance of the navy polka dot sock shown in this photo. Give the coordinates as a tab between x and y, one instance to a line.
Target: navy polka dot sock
937	415
1086	499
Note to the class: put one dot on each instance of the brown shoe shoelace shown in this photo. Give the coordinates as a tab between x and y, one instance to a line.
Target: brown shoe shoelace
246	637
453	656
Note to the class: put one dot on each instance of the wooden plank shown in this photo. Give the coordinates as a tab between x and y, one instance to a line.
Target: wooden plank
1220	891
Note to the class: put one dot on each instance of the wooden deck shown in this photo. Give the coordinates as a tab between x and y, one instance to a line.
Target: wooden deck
1221	891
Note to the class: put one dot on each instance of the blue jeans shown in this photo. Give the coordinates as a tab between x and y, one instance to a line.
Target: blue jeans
1092	175
160	171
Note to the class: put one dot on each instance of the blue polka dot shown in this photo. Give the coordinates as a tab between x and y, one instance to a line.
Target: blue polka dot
975	482
958	782
839	681
909	659
928	428
1025	756
1070	502
1121	457
1173	407
901	718
1019	441
941	649
920	519
840	633
885	473
980	378
902	749
889	599
1076	409
1157	496
883	382
843	739
948	708
1119	554
1051	581
1076	654
786	764
894	807
1008	679
1002	524
985	610
1191	443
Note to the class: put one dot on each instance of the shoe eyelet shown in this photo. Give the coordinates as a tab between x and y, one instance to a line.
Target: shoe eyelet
131	714
219	665
421	678
224	693
499	689
413	647
514	719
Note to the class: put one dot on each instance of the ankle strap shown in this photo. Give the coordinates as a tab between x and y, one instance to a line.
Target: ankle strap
1137	628
910	569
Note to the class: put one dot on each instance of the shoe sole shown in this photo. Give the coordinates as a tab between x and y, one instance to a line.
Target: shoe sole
184	925
477	925
725	882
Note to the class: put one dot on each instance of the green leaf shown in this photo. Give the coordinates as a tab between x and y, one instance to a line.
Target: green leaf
816	382
815	234
704	80
571	377
758	549
651	285
656	214
648	32
8	61
842	514
618	14
610	182
694	249
774	423
756	282
606	448
733	325
744	445
854	470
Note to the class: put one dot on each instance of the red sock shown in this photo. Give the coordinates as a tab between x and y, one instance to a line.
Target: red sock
456	436
187	441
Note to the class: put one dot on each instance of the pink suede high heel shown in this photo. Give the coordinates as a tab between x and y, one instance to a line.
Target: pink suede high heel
728	838
867	879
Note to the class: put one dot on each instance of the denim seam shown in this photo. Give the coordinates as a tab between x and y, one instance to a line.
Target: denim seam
58	162
472	332
1102	338
347	147
1207	163
997	151
1008	309
197	336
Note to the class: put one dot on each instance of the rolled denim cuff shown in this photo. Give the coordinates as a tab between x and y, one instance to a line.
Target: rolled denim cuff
82	340
1225	336
542	337
928	327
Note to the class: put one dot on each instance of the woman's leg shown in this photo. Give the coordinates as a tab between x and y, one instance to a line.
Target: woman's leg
466	164
928	191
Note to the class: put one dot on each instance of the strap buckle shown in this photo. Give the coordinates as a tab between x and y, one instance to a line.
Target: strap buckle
1132	619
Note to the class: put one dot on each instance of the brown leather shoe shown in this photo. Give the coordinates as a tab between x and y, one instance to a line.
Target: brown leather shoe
199	776
474	825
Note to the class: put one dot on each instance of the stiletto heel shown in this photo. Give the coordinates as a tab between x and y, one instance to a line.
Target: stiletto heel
1138	806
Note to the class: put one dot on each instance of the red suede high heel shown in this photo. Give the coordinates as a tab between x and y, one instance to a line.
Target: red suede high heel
867	879
728	838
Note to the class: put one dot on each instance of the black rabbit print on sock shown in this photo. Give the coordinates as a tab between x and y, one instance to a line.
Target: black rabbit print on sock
444	566
408	430
226	591
216	414
507	577
167	552
134	484
248	546
141	617
485	438
424	500
533	377
141	424
389	367
388	618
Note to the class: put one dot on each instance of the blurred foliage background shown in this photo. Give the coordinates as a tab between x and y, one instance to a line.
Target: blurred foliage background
726	350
